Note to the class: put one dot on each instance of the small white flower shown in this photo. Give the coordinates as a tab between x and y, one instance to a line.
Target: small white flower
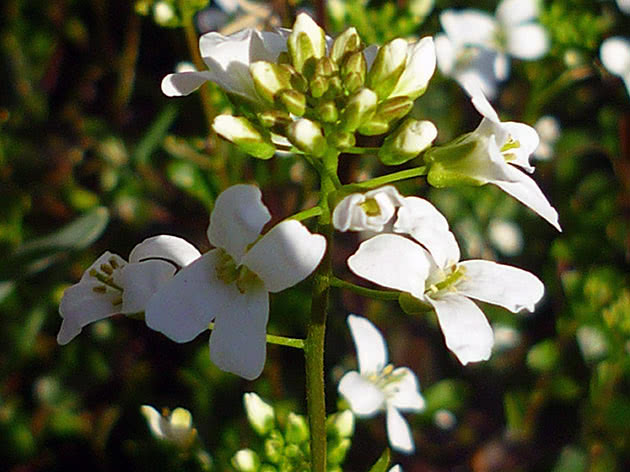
378	386
505	337
444	419
259	413
548	130
396	468
396	262
624	6
231	284
369	211
615	55
592	343
175	426
111	285
506	236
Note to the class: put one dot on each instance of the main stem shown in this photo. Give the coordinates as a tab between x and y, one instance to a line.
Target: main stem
314	344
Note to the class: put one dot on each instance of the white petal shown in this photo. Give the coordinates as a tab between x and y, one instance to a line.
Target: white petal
513	12
237	219
528	139
624	6
82	305
529	41
365	398
503	285
398	432
469	27
483	106
155	420
348	215
445	54
501	66
421	61
141	280
165	246
392	261
396	468
185	305
404	394
615	55
285	255
183	83
528	193
466	330
370	345
238	341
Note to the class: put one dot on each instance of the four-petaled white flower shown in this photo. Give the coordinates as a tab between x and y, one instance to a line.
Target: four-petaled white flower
396	262
228	59
379	386
111	285
231	284
369	211
175	426
493	153
615	55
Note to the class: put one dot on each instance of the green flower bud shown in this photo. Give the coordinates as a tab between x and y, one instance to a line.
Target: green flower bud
275	119
393	109
306	41
242	133
374	127
336	452
293	101
246	460
175	427
341	424
342	140
297	429
359	109
307	136
327	111
292	451
319	86
335	87
409	140
346	43
260	414
388	66
353	72
454	163
267	468
269	79
325	67
274	447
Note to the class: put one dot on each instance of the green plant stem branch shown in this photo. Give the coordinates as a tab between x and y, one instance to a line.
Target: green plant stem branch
314	346
366	292
388	179
361	150
296	343
306	214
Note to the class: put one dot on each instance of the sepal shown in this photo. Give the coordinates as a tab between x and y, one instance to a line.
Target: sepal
244	134
409	140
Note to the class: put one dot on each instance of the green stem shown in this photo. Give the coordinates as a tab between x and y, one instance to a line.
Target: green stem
361	150
366	292
388	179
314	346
297	343
306	214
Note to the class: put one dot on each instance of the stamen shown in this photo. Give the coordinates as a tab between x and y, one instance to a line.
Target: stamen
370	207
107	269
99	289
117	301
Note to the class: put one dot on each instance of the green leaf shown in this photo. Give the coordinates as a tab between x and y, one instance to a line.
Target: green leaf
382	463
515	406
189	178
155	135
544	356
448	394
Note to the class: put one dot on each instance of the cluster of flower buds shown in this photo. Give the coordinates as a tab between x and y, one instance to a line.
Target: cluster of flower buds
303	89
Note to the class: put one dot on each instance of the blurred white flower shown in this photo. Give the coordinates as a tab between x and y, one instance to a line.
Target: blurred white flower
548	130
505	337
444	419
592	343
624	6
615	55
378	386
506	236
111	285
231	284
175	426
163	13
259	413
396	262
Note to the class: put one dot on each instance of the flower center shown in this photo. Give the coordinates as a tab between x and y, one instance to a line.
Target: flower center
105	275
370	207
449	282
385	377
229	272
511	143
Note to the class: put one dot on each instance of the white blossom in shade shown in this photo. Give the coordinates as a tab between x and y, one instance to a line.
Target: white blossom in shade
228	59
396	262
505	337
497	153
369	211
592	343
231	283
615	55
624	6
548	130
396	468
259	413
444	419
175	426
111	285
506	236
378	386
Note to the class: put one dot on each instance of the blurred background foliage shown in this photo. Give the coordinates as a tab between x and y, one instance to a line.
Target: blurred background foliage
93	157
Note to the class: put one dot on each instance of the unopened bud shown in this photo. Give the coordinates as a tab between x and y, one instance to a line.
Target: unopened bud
175	427
335	86
307	136
394	109
274	447
342	140
353	72
328	112
246	460
388	66
346	43
374	127
274	119
259	413
297	429
269	79
293	101
307	40
319	86
409	140
359	109
341	424
337	451
242	133
325	67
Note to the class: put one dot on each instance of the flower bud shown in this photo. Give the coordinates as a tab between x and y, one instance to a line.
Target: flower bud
341	424
359	109
418	70
327	111
297	429
374	127
347	42
325	67
242	133
353	72
388	66
269	79
259	413
246	460
335	87
274	119
394	109
341	140
307	136
455	163
306	41
293	101
409	140
274	447
336	452
319	86
175	427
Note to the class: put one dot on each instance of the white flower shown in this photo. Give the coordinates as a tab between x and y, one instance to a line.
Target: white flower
396	468
615	55
548	129
173	426
592	343
228	59
259	413
506	236
624	6
493	153
369	211
231	283
379	386
111	285
396	262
